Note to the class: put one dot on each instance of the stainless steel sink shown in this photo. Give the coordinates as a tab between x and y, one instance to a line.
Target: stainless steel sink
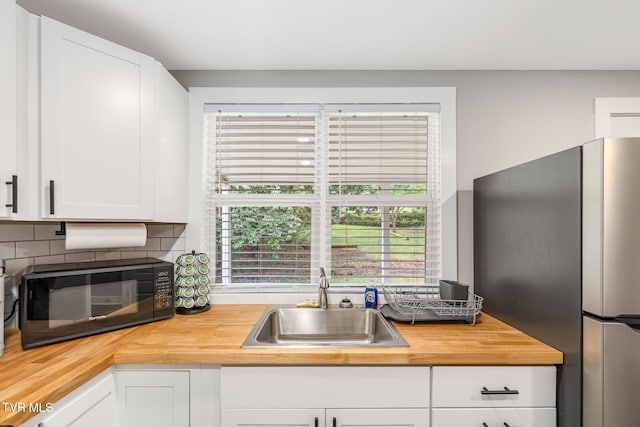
286	326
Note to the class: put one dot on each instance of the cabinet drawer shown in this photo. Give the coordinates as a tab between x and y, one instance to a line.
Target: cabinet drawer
494	386
462	417
325	387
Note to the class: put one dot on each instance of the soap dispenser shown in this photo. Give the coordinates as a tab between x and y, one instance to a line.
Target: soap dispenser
370	297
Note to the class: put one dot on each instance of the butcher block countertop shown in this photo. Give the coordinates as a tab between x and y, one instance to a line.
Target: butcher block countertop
48	373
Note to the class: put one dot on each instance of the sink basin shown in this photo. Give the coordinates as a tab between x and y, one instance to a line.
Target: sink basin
286	326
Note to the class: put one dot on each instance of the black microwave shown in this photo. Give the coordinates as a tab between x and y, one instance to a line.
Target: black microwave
59	302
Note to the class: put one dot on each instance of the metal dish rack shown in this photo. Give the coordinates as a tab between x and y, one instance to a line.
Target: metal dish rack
423	304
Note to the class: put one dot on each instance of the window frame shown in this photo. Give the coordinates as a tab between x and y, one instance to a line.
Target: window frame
445	97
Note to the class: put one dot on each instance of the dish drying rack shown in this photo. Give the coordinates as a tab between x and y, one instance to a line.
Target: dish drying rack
423	304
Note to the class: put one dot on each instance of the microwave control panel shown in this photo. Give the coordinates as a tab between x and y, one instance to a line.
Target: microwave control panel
163	292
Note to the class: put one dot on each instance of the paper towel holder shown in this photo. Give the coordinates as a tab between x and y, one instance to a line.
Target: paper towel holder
63	229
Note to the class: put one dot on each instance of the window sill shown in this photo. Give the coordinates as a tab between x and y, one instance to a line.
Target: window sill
287	296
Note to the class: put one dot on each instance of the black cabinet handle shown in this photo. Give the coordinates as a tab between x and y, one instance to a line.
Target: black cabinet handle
335	422
52	208
14	194
503	425
505	391
315	422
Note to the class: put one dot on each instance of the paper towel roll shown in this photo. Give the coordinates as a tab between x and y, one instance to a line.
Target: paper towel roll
104	235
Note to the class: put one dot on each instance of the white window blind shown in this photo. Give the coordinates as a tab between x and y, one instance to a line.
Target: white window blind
385	180
355	192
386	151
264	152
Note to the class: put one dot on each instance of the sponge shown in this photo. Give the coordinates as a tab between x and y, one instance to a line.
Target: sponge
308	303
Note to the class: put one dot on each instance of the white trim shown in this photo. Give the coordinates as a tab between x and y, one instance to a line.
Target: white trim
444	96
606	109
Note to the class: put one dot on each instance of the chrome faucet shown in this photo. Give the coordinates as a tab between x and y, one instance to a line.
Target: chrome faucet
322	290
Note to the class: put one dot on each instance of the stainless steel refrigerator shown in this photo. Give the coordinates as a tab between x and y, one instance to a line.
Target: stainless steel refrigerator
557	254
611	282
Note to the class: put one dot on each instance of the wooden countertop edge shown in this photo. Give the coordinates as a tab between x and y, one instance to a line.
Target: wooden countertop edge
293	357
52	392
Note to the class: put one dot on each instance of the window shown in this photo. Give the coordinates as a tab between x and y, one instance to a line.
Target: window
332	212
384	186
352	188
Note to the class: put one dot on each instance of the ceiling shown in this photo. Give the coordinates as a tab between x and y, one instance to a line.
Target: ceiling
365	34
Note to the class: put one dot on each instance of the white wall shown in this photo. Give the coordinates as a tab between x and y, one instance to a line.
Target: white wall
503	117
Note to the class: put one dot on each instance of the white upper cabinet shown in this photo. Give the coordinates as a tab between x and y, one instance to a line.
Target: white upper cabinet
172	127
8	142
98	128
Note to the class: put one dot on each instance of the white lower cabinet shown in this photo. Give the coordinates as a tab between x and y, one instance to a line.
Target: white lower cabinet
310	396
92	405
153	398
381	396
168	395
492	396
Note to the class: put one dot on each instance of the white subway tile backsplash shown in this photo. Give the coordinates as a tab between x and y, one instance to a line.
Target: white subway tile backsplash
172	244
129	255
16	232
13	266
49	259
163	255
47	232
7	250
159	230
33	248
107	256
23	244
57	247
153	244
80	257
179	230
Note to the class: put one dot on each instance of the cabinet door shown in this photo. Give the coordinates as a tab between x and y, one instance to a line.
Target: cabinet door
377	418
8	143
171	180
153	398
95	407
98	127
273	418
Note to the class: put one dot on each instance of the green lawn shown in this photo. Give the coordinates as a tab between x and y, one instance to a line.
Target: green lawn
406	244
